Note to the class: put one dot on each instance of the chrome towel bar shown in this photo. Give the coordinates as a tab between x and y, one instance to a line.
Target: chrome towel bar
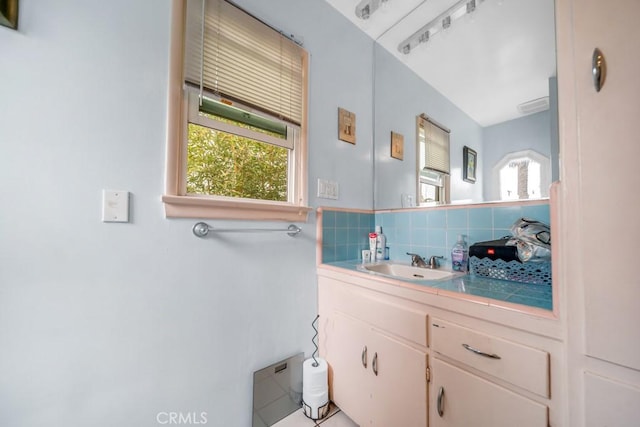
201	229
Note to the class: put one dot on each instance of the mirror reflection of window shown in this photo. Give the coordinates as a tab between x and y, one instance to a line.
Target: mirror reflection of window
432	186
433	162
523	175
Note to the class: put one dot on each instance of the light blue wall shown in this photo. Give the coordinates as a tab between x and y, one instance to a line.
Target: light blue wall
531	132
400	96
109	324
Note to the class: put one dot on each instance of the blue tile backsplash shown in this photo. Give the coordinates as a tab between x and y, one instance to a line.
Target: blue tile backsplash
345	234
425	232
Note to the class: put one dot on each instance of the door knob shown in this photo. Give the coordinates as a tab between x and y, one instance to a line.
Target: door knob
598	69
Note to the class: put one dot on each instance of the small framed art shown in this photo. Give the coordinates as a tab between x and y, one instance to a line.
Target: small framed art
346	126
9	13
397	146
469	164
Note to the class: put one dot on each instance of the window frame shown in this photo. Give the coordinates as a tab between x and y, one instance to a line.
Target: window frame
179	204
440	180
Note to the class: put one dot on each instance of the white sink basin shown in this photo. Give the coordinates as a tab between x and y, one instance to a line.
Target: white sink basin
407	272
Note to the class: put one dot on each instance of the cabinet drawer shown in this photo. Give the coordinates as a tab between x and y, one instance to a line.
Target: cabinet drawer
385	315
517	364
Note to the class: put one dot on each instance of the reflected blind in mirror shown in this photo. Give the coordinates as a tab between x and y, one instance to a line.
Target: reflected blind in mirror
436	145
234	55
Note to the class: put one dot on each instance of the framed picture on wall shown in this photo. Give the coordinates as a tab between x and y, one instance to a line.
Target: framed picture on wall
397	146
9	13
469	164
346	126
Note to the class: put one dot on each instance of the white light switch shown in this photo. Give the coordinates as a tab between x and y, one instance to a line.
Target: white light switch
115	206
327	189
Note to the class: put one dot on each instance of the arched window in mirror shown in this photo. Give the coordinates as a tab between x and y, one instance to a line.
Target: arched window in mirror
522	175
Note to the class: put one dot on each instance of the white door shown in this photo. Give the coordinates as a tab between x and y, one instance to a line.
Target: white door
609	156
600	207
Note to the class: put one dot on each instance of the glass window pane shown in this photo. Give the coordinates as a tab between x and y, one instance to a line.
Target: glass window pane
222	164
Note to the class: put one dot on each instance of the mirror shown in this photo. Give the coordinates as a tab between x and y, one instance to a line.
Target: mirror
483	78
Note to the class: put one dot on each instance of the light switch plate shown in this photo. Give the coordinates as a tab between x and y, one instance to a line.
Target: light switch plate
115	206
327	189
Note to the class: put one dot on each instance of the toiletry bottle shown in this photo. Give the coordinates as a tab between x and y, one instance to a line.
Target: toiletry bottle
373	241
381	243
459	255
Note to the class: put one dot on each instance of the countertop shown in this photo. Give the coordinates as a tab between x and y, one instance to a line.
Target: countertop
531	295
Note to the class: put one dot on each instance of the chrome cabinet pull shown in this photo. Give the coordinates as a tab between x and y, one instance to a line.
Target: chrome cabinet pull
440	404
374	364
598	69
480	353
364	357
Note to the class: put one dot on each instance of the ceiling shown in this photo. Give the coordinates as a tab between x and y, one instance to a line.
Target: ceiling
487	62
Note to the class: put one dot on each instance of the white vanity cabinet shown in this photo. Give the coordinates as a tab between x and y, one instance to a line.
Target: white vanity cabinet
398	358
460	397
377	377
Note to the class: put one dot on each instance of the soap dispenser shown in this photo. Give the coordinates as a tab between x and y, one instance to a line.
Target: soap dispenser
460	255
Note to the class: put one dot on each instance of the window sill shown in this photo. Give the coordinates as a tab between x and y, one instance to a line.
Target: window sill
214	208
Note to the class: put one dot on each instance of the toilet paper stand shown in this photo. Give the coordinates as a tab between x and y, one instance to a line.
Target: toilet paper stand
315	383
315	413
315	388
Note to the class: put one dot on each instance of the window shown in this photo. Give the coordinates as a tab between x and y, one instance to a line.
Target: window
433	162
522	175
237	117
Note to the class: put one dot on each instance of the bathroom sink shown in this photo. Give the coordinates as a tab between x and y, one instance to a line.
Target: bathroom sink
403	271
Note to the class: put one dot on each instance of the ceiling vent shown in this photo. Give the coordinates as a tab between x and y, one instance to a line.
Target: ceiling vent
534	106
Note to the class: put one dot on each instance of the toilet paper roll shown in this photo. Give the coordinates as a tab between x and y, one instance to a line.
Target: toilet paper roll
316	400
315	378
315	388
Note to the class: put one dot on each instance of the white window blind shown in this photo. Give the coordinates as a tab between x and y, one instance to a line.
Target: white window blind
436	145
242	59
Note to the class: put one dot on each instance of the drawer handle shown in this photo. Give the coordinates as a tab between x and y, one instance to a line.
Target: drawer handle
364	357
374	364
479	352
440	404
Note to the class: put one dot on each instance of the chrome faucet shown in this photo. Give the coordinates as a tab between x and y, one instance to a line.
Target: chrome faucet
418	261
433	261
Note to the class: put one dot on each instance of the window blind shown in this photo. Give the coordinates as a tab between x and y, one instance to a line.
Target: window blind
436	145
236	56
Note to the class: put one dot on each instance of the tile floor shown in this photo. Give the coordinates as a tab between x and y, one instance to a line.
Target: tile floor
336	418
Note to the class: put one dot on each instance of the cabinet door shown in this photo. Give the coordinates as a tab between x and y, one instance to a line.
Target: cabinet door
400	386
468	400
610	403
608	156
347	351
